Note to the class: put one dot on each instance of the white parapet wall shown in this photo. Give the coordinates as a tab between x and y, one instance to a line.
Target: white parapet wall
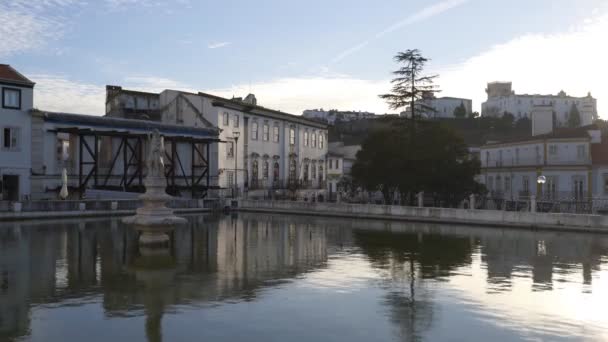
572	222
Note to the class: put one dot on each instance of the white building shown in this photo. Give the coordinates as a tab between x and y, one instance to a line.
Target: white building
443	107
15	123
333	116
571	160
264	151
502	99
340	160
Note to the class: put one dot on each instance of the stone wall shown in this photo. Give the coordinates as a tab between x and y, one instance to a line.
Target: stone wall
574	222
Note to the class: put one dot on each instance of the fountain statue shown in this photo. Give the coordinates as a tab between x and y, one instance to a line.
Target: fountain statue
154	220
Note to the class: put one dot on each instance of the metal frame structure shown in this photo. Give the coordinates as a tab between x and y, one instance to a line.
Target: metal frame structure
131	149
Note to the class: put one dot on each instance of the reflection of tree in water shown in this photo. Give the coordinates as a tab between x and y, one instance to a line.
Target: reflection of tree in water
407	259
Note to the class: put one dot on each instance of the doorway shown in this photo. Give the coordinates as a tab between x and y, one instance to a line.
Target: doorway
10	188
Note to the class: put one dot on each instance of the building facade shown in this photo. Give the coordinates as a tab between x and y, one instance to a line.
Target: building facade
340	161
17	95
502	99
333	116
443	107
510	170
263	151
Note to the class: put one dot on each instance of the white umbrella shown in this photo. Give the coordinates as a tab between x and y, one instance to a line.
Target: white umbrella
64	187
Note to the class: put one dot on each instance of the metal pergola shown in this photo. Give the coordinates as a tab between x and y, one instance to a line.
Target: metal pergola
195	180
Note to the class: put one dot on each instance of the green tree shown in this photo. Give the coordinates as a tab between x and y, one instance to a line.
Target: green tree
431	158
574	117
409	85
460	111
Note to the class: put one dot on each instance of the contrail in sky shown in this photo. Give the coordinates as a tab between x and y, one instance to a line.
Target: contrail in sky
423	14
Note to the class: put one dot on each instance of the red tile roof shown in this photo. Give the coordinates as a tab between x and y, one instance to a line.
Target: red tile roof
8	74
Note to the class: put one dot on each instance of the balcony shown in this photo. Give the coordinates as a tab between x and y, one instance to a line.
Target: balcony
296	184
523	162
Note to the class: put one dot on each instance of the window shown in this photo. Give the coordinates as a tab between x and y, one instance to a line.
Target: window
230	175
275	132
578	184
581	151
552	150
331	161
236	121
498	183
276	172
552	186
63	147
313	137
320	172
337	164
226	119
292	136
254	131
321	140
265	132
606	184
11	138
230	149
254	171
306	167
292	169
265	169
537	149
507	183
306	138
526	185
314	172
490	183
487	158
517	155
11	98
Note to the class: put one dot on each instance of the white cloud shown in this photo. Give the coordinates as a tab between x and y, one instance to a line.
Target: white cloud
539	63
293	95
29	25
124	4
423	14
154	84
60	94
218	45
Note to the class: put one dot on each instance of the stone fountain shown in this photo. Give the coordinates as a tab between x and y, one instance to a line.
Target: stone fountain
154	221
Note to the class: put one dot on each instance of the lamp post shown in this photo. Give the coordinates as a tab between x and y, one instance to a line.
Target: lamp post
236	135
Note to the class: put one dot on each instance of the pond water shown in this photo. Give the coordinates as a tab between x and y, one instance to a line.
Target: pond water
258	277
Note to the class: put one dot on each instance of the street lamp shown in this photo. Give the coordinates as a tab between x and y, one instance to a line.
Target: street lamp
236	135
540	180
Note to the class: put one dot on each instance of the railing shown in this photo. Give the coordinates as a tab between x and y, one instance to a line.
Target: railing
264	184
551	160
548	202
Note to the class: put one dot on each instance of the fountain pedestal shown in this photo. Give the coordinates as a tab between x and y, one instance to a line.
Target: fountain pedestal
154	221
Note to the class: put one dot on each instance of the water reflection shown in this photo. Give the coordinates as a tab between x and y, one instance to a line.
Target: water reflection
399	281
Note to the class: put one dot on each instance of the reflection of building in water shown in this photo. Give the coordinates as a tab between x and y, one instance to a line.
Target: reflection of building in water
14	283
253	250
508	251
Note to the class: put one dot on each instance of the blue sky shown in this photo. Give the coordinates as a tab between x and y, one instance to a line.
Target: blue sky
298	55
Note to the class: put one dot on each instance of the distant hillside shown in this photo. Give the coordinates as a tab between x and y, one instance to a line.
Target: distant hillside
475	132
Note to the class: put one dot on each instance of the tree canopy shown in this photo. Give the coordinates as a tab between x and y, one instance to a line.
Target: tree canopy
409	85
460	111
574	117
430	158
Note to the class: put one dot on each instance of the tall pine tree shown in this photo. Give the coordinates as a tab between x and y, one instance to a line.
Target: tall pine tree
409	85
